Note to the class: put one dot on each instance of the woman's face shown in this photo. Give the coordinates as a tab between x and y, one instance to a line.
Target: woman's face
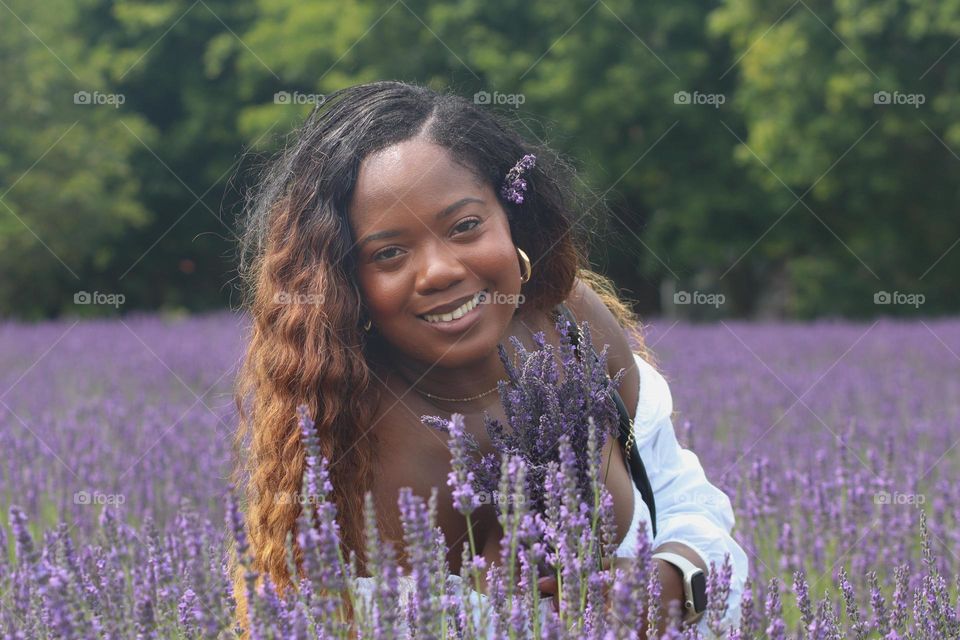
428	233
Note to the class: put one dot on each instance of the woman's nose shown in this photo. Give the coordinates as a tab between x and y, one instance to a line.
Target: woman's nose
439	269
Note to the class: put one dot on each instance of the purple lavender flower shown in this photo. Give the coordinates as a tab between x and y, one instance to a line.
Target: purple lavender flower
316	482
850	601
802	591
145	621
235	524
654	589
383	569
514	185
881	621
899	608
776	629
424	612
189	611
26	552
461	479
718	591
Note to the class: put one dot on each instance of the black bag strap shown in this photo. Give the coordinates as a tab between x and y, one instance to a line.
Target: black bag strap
634	463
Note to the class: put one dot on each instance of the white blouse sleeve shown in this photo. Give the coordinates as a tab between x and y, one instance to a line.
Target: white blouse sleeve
690	509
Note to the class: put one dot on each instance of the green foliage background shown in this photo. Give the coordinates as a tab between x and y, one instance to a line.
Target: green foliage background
799	196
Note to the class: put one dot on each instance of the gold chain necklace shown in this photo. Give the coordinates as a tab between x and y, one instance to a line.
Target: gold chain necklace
435	397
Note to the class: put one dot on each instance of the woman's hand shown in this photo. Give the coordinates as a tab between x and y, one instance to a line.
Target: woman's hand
671	586
549	587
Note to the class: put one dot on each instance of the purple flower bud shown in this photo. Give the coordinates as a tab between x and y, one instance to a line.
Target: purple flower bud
802	591
460	479
514	185
189	611
777	628
718	591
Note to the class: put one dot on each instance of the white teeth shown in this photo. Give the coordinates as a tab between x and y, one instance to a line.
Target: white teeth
459	312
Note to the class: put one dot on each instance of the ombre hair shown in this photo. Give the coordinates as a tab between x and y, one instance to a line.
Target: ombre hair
299	276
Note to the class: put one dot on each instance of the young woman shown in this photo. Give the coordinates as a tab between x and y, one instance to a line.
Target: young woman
388	251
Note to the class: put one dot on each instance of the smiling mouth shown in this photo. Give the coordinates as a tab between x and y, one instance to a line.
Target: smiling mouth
457	313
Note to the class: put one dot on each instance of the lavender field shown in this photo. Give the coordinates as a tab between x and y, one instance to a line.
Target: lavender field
838	443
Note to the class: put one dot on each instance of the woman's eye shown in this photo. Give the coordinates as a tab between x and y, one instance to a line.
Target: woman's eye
384	255
474	220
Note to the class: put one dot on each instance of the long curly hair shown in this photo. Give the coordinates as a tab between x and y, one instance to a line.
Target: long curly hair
298	274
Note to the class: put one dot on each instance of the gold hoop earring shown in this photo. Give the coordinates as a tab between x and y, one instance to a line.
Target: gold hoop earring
367	325
527	267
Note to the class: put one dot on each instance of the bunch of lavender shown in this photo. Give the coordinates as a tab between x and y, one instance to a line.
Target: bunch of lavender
544	398
559	412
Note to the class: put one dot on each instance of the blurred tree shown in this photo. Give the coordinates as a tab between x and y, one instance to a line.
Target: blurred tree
159	55
69	194
742	147
851	107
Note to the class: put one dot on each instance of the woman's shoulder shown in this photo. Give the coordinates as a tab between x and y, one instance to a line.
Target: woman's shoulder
645	390
655	401
586	305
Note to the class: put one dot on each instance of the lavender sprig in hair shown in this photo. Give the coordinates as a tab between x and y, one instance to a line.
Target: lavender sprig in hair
514	185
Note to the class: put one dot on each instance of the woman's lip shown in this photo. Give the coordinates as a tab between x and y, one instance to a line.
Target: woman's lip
459	304
459	325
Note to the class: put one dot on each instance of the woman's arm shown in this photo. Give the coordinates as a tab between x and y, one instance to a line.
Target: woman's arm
694	517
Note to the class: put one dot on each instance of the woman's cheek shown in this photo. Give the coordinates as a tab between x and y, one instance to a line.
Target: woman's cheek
376	288
390	295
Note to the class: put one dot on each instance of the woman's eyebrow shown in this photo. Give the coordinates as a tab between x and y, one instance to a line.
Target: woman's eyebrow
446	211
